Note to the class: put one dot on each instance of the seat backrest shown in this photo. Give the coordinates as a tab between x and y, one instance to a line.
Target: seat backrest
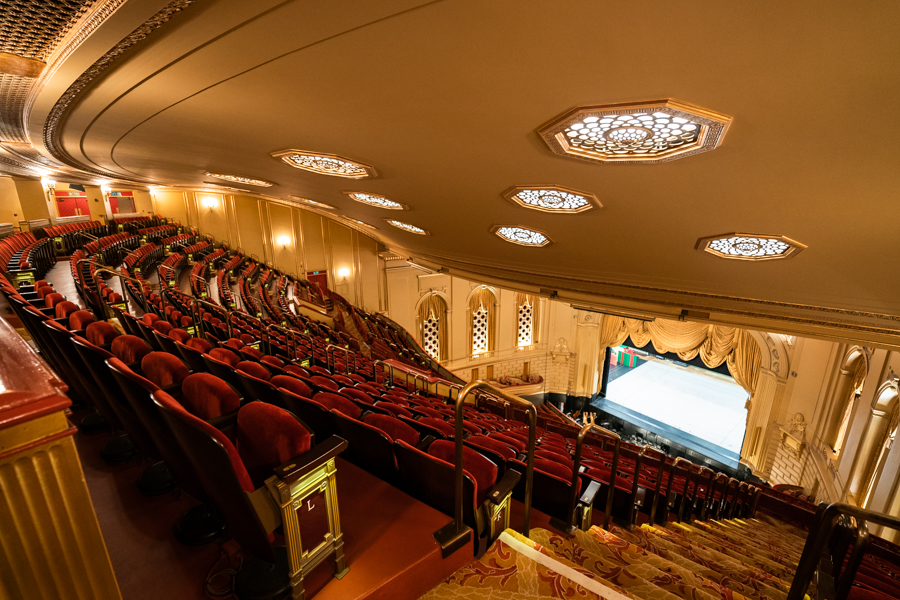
339	403
163	369
130	349
481	468
393	427
258	389
369	447
192	357
221	473
267	437
293	384
316	416
552	489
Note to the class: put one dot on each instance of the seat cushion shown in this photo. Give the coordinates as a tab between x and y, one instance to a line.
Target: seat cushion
393	427
325	382
272	360
208	397
553	468
443	426
163	369
80	319
268	436
63	309
480	468
163	327
394	409
101	333
51	300
130	349
149	318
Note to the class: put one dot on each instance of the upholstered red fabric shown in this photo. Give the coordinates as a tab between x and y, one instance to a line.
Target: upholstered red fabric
51	300
40	283
320	370
268	436
149	318
272	360
179	335
80	319
226	356
186	321
164	327
163	369
471	427
429	411
252	352
208	397
295	370
393	427
235	343
443	426
62	310
44	291
516	443
555	457
101	333
114	298
246	338
359	395
482	470
254	369
239	469
394	409
129	348
175	317
367	389
553	468
338	403
200	345
293	384
496	446
325	382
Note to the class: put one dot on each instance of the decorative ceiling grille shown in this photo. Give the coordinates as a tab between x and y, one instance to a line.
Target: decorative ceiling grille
407	227
551	198
744	246
33	28
326	164
376	200
521	235
241	179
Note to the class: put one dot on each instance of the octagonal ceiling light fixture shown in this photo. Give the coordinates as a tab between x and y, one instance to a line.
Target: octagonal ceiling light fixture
407	227
240	179
326	164
642	132
750	246
313	202
551	199
358	222
376	200
523	236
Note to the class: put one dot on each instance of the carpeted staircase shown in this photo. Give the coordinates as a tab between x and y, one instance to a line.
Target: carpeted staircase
712	560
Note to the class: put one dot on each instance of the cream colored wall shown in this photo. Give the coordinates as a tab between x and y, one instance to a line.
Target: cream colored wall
313	241
142	201
172	205
10	208
211	214
33	199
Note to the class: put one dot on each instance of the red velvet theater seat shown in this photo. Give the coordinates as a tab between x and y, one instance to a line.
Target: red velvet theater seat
80	319
101	333
481	469
63	309
44	291
163	327
395	410
163	369
272	360
295	370
338	403
130	349
235	343
516	443
446	429
267	437
179	335
251	352
208	397
222	355
358	395
325	382
394	428
51	300
293	384
369	447
199	344
149	319
565	461
493	445
254	369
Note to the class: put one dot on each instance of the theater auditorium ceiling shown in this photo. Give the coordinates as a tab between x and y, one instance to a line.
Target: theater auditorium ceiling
765	121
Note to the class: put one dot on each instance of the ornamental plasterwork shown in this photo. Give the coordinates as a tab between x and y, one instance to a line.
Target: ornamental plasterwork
407	227
642	132
552	199
376	200
240	179
523	236
750	246
313	203
358	222
326	164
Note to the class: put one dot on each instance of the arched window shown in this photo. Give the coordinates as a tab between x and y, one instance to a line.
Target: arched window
875	444
433	326
483	315
849	387
527	326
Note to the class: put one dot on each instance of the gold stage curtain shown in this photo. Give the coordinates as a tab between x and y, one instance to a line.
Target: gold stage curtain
534	303
434	306
484	298
714	344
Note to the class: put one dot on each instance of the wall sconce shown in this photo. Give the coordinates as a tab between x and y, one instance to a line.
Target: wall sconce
48	184
343	272
283	240
105	189
209	202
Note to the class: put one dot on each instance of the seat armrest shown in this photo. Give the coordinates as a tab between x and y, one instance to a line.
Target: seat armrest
504	487
302	464
226	422
425	442
590	492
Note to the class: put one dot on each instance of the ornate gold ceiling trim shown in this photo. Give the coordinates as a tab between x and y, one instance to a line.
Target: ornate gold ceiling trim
56	117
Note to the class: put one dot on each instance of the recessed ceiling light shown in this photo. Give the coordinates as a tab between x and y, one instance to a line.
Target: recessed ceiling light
407	227
313	203
358	222
241	179
642	132
749	246
521	235
326	164
551	198
376	200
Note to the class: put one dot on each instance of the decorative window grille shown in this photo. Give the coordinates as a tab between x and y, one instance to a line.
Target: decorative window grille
479	332
431	337
526	324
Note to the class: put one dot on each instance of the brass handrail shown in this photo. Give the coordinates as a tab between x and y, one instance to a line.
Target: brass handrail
329	358
198	316
262	326
456	534
589	425
659	477
104	269
646	449
389	366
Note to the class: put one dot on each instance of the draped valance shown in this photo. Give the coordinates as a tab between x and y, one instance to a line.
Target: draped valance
714	344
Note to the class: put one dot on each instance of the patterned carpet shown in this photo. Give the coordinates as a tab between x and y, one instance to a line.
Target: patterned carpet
714	560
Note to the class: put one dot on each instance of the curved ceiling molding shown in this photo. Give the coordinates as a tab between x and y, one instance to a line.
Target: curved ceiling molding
58	113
